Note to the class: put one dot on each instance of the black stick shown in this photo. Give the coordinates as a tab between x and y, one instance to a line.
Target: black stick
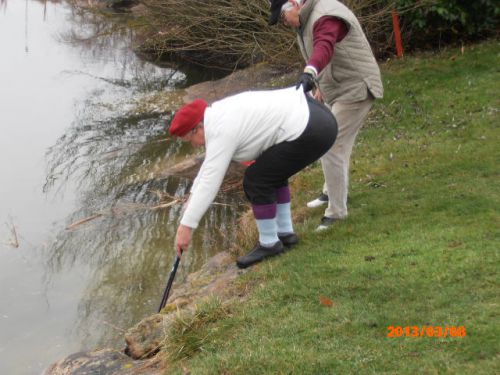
169	283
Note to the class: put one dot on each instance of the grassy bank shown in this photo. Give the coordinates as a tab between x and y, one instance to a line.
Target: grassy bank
420	247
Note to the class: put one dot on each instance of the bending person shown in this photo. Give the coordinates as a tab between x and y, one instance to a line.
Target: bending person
282	130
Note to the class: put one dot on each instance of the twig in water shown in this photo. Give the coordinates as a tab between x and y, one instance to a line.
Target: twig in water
161	194
113	326
79	222
165	205
14	242
114	210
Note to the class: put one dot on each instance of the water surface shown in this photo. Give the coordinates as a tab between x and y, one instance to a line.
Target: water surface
73	146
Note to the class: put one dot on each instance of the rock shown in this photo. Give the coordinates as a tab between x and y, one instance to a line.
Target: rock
214	279
103	362
179	303
189	168
144	339
259	76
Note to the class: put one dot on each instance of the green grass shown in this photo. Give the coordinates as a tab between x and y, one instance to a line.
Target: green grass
420	247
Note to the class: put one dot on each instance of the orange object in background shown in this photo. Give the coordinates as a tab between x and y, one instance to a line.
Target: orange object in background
397	34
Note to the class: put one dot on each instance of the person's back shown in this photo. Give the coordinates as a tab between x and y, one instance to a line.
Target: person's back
253	121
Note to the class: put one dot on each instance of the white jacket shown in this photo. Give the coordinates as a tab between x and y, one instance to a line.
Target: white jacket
240	128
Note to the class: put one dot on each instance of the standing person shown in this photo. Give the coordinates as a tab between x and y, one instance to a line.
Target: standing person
340	63
282	130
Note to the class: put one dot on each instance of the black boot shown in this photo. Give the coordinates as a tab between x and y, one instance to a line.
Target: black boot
259	253
289	240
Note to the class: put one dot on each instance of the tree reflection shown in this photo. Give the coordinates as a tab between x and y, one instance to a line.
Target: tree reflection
117	164
117	159
3	5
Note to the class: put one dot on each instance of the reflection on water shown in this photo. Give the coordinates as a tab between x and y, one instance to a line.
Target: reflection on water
117	163
116	159
97	37
70	103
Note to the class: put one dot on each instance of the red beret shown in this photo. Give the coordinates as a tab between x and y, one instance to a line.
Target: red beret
188	117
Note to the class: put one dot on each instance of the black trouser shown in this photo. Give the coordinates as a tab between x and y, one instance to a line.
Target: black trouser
277	164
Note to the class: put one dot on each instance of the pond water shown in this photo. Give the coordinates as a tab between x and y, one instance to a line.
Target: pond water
73	145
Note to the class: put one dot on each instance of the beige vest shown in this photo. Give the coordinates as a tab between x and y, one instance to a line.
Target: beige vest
353	70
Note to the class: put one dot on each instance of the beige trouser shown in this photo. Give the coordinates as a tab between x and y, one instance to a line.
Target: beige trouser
350	117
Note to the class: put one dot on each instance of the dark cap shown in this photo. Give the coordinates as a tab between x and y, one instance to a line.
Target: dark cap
275	11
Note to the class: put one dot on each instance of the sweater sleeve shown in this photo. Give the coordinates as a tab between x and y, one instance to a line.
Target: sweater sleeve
218	155
327	31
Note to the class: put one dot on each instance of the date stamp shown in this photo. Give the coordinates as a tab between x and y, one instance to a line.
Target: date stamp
426	331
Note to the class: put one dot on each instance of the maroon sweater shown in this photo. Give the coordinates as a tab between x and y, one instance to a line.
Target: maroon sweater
327	31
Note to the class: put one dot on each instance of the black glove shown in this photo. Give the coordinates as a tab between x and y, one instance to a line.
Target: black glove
307	82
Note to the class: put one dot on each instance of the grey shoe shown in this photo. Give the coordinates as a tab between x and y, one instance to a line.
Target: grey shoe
289	240
258	254
326	222
320	201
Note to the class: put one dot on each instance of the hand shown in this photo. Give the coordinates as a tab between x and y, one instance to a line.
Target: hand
182	239
318	96
307	82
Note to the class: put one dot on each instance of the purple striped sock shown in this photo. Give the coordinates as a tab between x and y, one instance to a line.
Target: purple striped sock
264	211
283	195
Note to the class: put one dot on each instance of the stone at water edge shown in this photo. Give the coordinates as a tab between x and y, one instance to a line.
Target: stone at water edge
103	362
212	280
144	339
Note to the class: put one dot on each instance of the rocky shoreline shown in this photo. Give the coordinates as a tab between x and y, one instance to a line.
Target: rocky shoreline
145	339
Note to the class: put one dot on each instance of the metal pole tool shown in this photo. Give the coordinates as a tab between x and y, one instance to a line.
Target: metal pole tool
169	283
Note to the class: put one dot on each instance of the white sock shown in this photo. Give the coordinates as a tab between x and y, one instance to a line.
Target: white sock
284	218
268	232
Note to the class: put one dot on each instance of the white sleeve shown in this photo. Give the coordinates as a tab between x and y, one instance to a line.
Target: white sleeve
218	155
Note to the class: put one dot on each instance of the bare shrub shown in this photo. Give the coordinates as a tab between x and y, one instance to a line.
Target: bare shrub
219	33
231	34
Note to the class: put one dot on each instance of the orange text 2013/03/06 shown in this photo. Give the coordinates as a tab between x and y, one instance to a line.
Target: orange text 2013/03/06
426	331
